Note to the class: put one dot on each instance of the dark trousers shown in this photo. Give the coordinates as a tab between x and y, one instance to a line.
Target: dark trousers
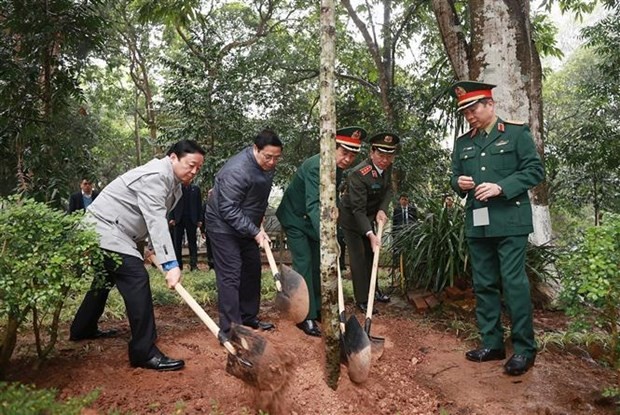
238	276
209	251
132	281
307	262
360	261
177	238
498	265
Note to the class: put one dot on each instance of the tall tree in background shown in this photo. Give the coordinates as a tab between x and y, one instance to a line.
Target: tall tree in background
492	41
135	39
582	118
394	32
45	133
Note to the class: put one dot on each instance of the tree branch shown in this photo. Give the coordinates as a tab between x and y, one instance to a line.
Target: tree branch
452	36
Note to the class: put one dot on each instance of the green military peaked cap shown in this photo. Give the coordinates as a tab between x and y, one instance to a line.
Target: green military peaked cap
385	142
468	93
351	137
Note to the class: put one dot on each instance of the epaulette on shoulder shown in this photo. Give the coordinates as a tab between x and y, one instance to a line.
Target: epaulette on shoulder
513	122
365	170
467	134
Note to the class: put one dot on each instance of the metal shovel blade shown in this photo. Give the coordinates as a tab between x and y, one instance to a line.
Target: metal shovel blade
293	300
377	344
357	350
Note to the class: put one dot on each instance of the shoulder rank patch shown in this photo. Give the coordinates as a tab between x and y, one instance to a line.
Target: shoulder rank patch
469	133
513	122
365	170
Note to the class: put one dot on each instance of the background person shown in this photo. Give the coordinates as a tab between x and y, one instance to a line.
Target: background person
233	217
184	219
494	164
82	199
365	201
128	210
298	214
403	215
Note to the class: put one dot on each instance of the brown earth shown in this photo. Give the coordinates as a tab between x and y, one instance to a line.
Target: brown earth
423	371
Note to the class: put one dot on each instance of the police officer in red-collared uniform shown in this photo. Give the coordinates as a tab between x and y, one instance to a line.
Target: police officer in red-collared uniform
365	202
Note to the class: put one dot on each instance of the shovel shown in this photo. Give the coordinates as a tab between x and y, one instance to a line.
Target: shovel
254	360
213	328
377	343
292	298
354	343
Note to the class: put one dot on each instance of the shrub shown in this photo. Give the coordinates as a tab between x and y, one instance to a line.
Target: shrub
16	399
44	255
434	248
591	281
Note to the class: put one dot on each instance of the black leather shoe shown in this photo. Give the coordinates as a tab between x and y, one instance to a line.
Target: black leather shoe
518	364
382	298
484	355
363	307
257	324
99	334
161	363
310	328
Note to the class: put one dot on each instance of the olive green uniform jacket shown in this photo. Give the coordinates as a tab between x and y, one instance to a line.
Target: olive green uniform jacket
298	214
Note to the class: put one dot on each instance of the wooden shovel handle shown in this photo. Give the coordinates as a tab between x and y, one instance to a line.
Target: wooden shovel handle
341	316
213	328
272	264
204	317
373	274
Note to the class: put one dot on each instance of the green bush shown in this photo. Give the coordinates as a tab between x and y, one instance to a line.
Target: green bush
17	399
591	282
434	248
44	255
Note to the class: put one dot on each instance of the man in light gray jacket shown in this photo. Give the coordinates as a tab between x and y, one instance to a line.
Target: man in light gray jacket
233	218
127	211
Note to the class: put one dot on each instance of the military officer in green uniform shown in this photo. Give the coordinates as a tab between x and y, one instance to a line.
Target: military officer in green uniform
298	214
364	202
494	164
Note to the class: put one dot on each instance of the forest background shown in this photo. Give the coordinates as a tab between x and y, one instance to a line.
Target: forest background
94	88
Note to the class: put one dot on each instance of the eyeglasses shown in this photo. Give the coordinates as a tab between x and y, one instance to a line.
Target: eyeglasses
270	157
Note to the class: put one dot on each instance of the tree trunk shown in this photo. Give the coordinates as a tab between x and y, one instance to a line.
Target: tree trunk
329	212
136	130
8	343
501	52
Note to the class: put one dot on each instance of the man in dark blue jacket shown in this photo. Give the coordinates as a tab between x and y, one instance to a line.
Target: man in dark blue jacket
233	217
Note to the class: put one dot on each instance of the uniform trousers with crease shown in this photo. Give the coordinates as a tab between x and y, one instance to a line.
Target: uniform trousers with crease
498	266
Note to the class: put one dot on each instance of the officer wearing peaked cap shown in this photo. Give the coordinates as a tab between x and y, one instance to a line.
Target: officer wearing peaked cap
364	202
493	165
298	214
